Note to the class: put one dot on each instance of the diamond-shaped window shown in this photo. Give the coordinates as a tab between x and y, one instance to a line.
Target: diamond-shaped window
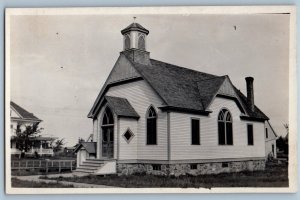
128	135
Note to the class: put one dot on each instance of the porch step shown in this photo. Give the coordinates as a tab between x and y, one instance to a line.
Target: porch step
86	169
98	162
91	166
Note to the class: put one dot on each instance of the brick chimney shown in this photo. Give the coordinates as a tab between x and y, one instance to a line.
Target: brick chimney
250	92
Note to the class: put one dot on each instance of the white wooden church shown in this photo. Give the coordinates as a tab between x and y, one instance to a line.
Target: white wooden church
158	118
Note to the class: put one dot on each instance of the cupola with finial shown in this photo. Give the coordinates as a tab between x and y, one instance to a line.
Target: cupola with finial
134	40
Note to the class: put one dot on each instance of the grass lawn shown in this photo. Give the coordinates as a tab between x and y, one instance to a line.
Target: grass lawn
274	176
31	184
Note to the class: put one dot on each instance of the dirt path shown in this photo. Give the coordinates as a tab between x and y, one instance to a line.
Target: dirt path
36	178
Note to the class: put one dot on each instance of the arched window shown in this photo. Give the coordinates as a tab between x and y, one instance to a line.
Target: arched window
108	118
127	42
141	43
151	126
225	127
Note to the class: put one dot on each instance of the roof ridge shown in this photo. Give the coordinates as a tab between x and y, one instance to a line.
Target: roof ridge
183	67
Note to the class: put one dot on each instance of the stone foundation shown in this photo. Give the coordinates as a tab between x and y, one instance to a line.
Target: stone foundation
185	168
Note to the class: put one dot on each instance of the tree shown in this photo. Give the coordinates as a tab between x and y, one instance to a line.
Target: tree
286	139
282	143
23	136
58	145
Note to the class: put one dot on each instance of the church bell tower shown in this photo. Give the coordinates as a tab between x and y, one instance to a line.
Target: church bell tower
134	43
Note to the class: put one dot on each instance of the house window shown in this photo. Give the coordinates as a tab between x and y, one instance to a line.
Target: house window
128	135
267	133
225	128
195	131
141	42
193	166
156	167
151	126
127	42
250	134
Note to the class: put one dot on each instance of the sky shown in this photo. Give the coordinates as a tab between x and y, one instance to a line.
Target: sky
60	62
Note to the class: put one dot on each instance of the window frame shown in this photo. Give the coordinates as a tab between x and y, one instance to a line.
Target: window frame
146	125
199	132
225	127
132	135
249	124
266	133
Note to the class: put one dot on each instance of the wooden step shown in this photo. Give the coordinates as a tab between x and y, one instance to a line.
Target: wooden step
89	167
91	164
84	169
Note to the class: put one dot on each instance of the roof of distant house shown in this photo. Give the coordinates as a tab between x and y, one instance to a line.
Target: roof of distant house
24	114
90	147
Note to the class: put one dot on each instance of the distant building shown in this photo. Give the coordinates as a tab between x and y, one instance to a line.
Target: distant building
159	118
20	118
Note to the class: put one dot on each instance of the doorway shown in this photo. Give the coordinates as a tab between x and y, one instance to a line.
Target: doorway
107	134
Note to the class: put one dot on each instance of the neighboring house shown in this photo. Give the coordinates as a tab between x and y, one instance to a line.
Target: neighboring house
271	138
20	118
155	117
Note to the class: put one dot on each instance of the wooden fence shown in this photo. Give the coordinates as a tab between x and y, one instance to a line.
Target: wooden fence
43	164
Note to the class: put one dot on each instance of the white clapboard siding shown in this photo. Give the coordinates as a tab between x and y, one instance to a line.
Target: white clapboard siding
122	70
141	96
271	134
269	148
271	140
227	89
128	150
95	130
209	148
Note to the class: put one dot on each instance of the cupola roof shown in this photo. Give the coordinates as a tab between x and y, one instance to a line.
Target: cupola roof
135	27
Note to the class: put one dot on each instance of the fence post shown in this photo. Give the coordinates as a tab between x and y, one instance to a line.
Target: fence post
59	169
19	165
71	165
46	166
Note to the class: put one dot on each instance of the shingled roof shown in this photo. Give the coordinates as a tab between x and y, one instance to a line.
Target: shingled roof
121	107
24	114
90	147
184	88
135	27
189	89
